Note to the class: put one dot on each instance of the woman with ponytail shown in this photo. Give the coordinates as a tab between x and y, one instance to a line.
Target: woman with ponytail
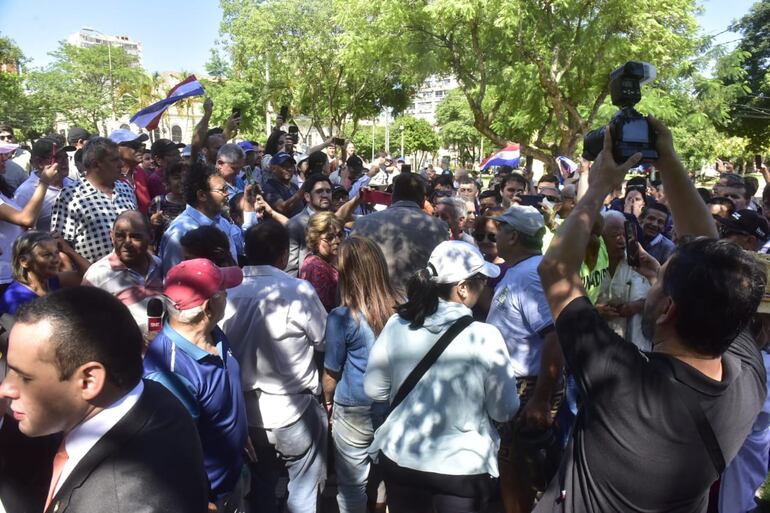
438	446
367	301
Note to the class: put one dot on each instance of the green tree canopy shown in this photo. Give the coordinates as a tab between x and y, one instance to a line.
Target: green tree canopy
312	57
89	85
750	116
537	72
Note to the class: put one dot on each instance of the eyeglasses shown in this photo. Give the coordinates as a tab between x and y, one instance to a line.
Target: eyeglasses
553	199
482	236
6	137
329	238
223	190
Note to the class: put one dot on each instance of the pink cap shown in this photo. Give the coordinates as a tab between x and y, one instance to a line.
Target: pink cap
192	282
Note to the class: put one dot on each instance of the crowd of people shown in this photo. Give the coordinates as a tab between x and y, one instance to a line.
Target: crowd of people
183	326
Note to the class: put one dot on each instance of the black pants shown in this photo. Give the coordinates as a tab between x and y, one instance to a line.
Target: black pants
414	491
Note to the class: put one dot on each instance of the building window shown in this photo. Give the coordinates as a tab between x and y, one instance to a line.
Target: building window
156	134
176	133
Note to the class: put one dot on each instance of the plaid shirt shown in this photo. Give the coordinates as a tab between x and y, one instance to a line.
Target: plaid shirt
83	215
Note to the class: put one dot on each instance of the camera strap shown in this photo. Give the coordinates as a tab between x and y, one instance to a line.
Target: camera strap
429	359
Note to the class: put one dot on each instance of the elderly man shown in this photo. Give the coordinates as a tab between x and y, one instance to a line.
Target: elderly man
276	322
75	368
405	233
41	157
520	311
453	211
206	197
131	273
84	212
230	160
191	357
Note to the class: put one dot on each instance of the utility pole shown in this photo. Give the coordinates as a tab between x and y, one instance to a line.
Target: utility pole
402	141
267	105
387	131
374	124
112	83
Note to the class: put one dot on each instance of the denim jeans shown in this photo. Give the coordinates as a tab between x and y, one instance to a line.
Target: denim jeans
352	431
302	448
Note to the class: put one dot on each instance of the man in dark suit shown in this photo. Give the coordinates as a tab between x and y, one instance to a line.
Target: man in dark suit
75	367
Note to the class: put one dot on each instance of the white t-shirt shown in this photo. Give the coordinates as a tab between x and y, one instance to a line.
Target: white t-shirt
520	311
626	286
9	232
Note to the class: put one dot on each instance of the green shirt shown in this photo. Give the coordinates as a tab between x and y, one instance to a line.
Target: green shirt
593	278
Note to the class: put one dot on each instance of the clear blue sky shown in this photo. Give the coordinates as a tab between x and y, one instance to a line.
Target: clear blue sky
178	34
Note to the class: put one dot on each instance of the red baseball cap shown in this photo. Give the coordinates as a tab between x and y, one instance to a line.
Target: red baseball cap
192	282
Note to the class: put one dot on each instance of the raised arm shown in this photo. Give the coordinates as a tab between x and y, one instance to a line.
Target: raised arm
560	267
199	134
691	215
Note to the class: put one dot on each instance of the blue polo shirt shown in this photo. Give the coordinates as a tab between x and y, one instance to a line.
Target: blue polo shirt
209	386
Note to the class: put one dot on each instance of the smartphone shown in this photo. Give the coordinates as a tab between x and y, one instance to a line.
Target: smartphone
757	162
632	244
377	197
406	168
532	200
294	133
284	112
236	112
53	155
338	141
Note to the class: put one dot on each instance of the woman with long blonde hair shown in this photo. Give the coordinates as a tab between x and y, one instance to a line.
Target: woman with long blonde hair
367	301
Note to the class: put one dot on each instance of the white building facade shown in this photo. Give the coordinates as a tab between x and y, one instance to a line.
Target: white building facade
87	37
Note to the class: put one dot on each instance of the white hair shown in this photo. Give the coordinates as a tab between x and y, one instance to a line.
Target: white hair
613	215
231	153
457	204
188	316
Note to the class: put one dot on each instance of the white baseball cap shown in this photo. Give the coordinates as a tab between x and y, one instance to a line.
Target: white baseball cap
455	260
126	136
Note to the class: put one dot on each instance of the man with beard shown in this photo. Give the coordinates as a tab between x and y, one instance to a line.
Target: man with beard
653	221
655	430
318	198
205	192
132	173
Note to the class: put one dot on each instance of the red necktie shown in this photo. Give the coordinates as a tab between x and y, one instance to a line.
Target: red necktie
58	465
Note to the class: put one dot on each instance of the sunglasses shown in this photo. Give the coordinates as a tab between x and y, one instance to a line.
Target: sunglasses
482	236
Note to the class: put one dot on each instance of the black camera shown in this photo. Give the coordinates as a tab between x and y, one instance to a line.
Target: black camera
631	133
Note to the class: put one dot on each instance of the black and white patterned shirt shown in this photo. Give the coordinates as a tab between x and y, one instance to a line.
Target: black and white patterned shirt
83	215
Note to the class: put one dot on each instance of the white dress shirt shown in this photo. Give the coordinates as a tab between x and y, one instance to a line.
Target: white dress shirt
84	437
274	322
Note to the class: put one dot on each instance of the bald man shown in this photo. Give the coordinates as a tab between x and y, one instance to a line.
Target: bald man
130	272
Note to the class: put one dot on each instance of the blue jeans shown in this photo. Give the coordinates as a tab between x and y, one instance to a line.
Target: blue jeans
352	431
302	448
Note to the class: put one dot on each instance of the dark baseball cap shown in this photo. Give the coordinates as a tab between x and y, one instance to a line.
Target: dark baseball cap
76	133
747	222
163	147
43	148
282	158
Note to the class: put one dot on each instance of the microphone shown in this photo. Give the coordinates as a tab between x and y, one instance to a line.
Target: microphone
154	315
